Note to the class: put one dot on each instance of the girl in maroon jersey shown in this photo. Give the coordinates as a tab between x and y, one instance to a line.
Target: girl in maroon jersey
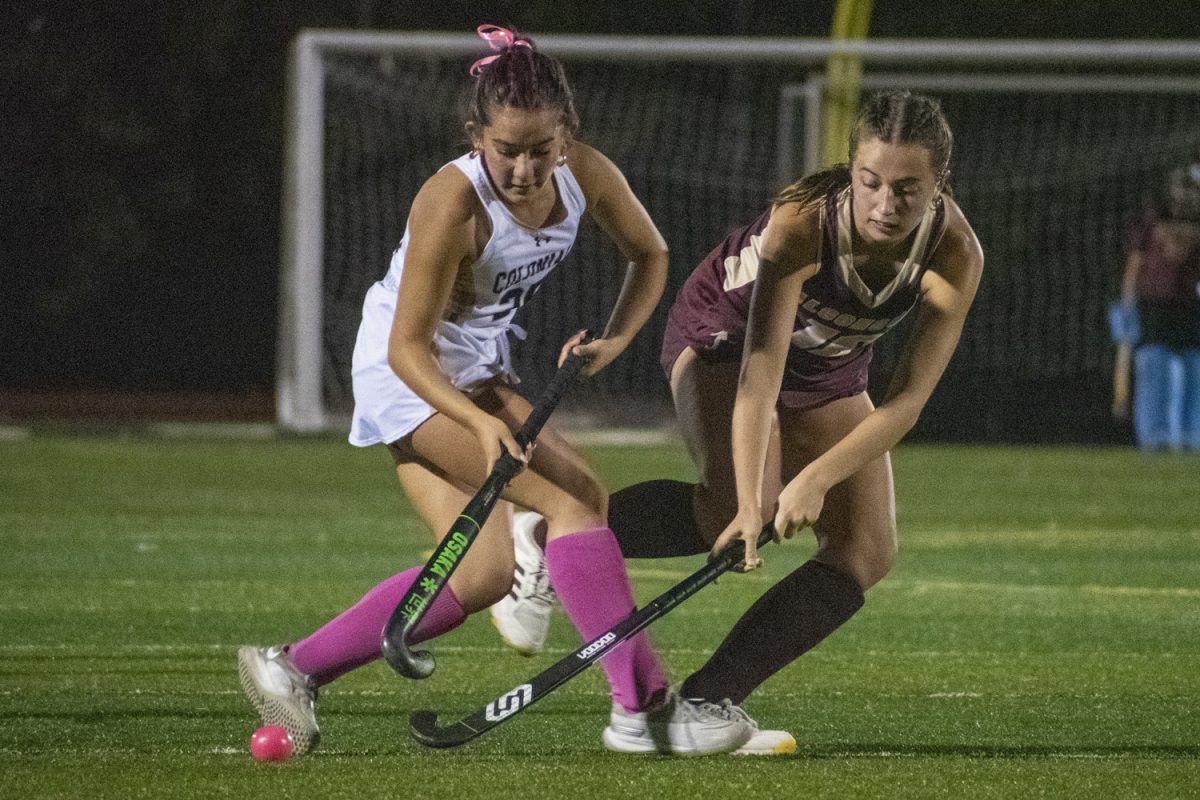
1157	322
767	349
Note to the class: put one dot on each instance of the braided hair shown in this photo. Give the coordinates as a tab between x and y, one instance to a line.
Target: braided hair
901	117
893	117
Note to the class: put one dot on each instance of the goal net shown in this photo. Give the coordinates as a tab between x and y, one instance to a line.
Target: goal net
1052	169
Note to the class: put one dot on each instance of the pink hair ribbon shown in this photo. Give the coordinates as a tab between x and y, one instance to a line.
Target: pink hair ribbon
498	39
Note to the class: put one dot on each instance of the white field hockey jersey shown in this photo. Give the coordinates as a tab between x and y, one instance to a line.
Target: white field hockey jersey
515	260
470	342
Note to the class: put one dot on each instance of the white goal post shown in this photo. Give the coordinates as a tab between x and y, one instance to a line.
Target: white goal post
355	106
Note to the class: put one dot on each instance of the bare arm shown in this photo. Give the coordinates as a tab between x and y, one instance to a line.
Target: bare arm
949	287
787	260
618	212
441	240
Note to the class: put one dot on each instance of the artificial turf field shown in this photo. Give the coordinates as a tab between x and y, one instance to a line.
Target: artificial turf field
1039	636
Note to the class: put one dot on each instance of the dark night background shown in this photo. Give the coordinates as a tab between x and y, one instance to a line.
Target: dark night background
141	152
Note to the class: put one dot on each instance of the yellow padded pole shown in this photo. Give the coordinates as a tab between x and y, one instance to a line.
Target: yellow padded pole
843	80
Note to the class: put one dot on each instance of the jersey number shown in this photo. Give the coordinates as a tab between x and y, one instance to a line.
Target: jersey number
513	299
828	341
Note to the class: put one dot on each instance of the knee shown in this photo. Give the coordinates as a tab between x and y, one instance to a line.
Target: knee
866	556
585	503
484	590
593	498
485	576
880	558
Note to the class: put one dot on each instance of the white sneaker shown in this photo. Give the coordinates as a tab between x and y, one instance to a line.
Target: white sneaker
280	693
523	615
678	726
764	743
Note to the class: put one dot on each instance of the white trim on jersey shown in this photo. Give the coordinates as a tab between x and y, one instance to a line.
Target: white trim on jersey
906	272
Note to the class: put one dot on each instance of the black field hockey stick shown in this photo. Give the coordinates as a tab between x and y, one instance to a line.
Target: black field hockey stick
424	726
454	545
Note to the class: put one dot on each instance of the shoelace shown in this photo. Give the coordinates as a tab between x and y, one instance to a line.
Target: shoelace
741	714
704	708
541	584
725	709
537	578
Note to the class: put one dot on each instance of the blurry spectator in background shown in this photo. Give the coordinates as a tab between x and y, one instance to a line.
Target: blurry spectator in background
1156	324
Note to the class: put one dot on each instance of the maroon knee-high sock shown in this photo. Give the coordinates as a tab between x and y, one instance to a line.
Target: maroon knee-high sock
654	519
786	622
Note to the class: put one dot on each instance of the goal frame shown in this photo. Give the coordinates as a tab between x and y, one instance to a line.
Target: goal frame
300	405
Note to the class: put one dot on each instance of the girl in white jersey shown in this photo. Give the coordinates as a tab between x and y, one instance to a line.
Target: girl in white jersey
433	382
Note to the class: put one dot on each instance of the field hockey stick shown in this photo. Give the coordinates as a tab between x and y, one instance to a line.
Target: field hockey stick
424	726
454	545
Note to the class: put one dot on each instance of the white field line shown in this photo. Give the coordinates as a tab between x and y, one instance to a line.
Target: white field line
983	752
778	695
967	586
117	651
213	430
899	586
1048	537
959	586
584	436
622	437
990	755
582	690
651	573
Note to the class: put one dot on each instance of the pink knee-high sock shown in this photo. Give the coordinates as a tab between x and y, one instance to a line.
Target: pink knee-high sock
351	639
588	573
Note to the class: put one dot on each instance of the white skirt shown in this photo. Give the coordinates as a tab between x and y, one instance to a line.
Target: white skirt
385	409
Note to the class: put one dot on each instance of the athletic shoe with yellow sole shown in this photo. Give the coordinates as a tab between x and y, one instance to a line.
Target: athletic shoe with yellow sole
678	726
764	743
767	743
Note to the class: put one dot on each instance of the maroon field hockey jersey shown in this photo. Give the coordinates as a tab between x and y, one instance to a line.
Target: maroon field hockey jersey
1170	269
1168	283
838	317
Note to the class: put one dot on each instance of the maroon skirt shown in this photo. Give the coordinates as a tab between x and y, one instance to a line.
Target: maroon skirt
809	381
